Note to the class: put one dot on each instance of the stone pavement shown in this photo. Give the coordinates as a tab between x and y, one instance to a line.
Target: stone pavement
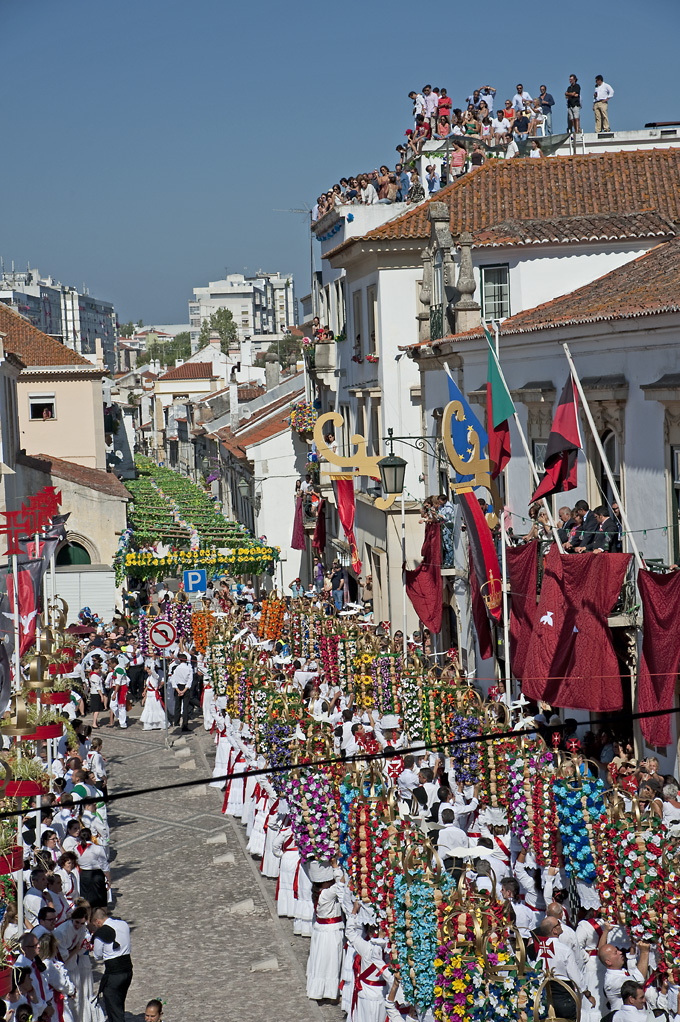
205	936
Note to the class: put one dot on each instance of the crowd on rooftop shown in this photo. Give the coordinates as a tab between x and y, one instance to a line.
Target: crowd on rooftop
472	131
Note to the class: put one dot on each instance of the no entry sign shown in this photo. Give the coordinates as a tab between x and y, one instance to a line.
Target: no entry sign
162	634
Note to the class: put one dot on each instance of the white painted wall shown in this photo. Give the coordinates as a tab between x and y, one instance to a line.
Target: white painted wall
540	273
278	462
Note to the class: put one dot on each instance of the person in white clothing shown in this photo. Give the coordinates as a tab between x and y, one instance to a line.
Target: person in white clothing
325	952
633	1008
525	918
152	716
371	978
36	897
556	958
408	779
619	968
450	836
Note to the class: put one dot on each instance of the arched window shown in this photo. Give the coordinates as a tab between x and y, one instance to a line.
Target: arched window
72	553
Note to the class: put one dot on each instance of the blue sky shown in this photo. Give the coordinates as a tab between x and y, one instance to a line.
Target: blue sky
147	144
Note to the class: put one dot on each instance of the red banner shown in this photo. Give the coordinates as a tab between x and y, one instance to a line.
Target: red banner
424	583
344	496
660	595
522	573
571	660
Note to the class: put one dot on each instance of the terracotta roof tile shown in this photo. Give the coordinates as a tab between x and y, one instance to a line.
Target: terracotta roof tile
561	186
90	478
190	371
646	286
573	229
32	346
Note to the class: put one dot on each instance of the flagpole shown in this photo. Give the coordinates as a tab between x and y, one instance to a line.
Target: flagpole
603	456
504	564
17	633
530	460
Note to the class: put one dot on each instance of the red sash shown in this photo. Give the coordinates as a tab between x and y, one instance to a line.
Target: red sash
362	979
326	922
504	849
296	879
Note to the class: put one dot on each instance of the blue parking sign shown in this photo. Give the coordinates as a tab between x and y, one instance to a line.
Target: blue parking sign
195	580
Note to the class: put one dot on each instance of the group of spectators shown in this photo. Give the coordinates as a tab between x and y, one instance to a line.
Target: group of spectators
519	120
581	529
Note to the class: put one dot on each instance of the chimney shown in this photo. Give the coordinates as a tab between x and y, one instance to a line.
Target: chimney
179	362
272	370
233	401
466	308
215	339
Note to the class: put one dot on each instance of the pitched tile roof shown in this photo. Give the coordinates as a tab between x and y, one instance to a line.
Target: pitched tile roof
190	371
89	478
572	229
32	346
560	186
646	286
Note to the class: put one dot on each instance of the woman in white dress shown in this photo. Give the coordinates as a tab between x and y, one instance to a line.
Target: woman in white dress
285	849
257	834
153	713
74	947
70	882
59	979
304	906
223	752
325	952
269	866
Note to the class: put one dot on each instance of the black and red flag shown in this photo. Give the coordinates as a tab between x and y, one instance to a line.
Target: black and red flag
28	585
483	553
564	443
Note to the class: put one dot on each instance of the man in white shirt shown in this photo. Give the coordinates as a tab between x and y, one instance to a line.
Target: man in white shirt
555	956
181	680
520	99
567	935
499	126
603	93
408	779
112	947
450	836
431	100
634	1008
619	969
35	897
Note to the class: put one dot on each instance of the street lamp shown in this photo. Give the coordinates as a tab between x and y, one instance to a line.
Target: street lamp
243	488
392	471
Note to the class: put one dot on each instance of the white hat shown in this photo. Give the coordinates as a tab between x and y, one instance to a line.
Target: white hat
319	872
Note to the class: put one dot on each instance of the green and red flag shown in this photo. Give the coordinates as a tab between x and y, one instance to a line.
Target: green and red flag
499	410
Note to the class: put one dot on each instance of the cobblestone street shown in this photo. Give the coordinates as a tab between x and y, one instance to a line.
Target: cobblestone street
206	938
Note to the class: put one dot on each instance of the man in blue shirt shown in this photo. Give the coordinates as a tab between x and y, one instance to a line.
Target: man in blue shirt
547	103
432	179
404	182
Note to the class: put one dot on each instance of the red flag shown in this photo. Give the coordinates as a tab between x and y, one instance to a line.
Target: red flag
297	541
319	538
660	595
344	497
564	443
522	573
483	554
571	660
424	583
